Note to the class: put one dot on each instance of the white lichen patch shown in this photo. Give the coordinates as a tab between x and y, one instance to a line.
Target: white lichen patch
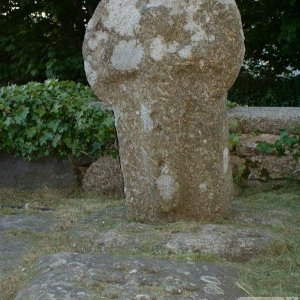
185	52
89	58
146	118
96	38
166	184
91	74
117	115
123	17
189	9
127	55
159	49
91	24
225	160
175	6
195	28
203	187
172	47
212	38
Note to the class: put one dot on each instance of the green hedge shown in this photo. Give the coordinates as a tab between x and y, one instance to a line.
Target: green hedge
53	118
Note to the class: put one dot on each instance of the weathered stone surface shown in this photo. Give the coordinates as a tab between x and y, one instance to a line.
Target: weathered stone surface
266	119
265	168
12	248
232	242
248	163
273	167
224	240
18	173
248	143
27	222
165	68
272	218
78	276
104	176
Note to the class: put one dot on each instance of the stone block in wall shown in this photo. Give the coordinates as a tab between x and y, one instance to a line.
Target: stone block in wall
265	168
104	176
248	143
277	167
265	119
50	172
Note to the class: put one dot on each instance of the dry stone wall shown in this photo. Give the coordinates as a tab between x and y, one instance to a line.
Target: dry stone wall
263	124
250	167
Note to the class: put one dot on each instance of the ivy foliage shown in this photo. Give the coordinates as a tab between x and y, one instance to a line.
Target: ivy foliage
54	118
286	144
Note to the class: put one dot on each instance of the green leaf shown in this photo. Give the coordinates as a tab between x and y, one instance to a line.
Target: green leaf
20	118
53	118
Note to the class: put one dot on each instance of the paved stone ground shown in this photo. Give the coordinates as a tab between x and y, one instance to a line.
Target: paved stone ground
225	240
101	276
77	276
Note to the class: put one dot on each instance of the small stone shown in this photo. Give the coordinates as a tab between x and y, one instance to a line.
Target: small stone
188	286
183	272
173	290
145	297
104	176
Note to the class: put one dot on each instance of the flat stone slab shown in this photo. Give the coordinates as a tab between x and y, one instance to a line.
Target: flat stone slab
235	242
232	242
266	119
37	223
79	276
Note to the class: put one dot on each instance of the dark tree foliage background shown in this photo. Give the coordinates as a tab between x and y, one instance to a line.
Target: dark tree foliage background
42	39
272	38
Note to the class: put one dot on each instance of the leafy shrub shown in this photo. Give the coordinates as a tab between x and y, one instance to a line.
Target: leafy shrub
54	118
286	144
